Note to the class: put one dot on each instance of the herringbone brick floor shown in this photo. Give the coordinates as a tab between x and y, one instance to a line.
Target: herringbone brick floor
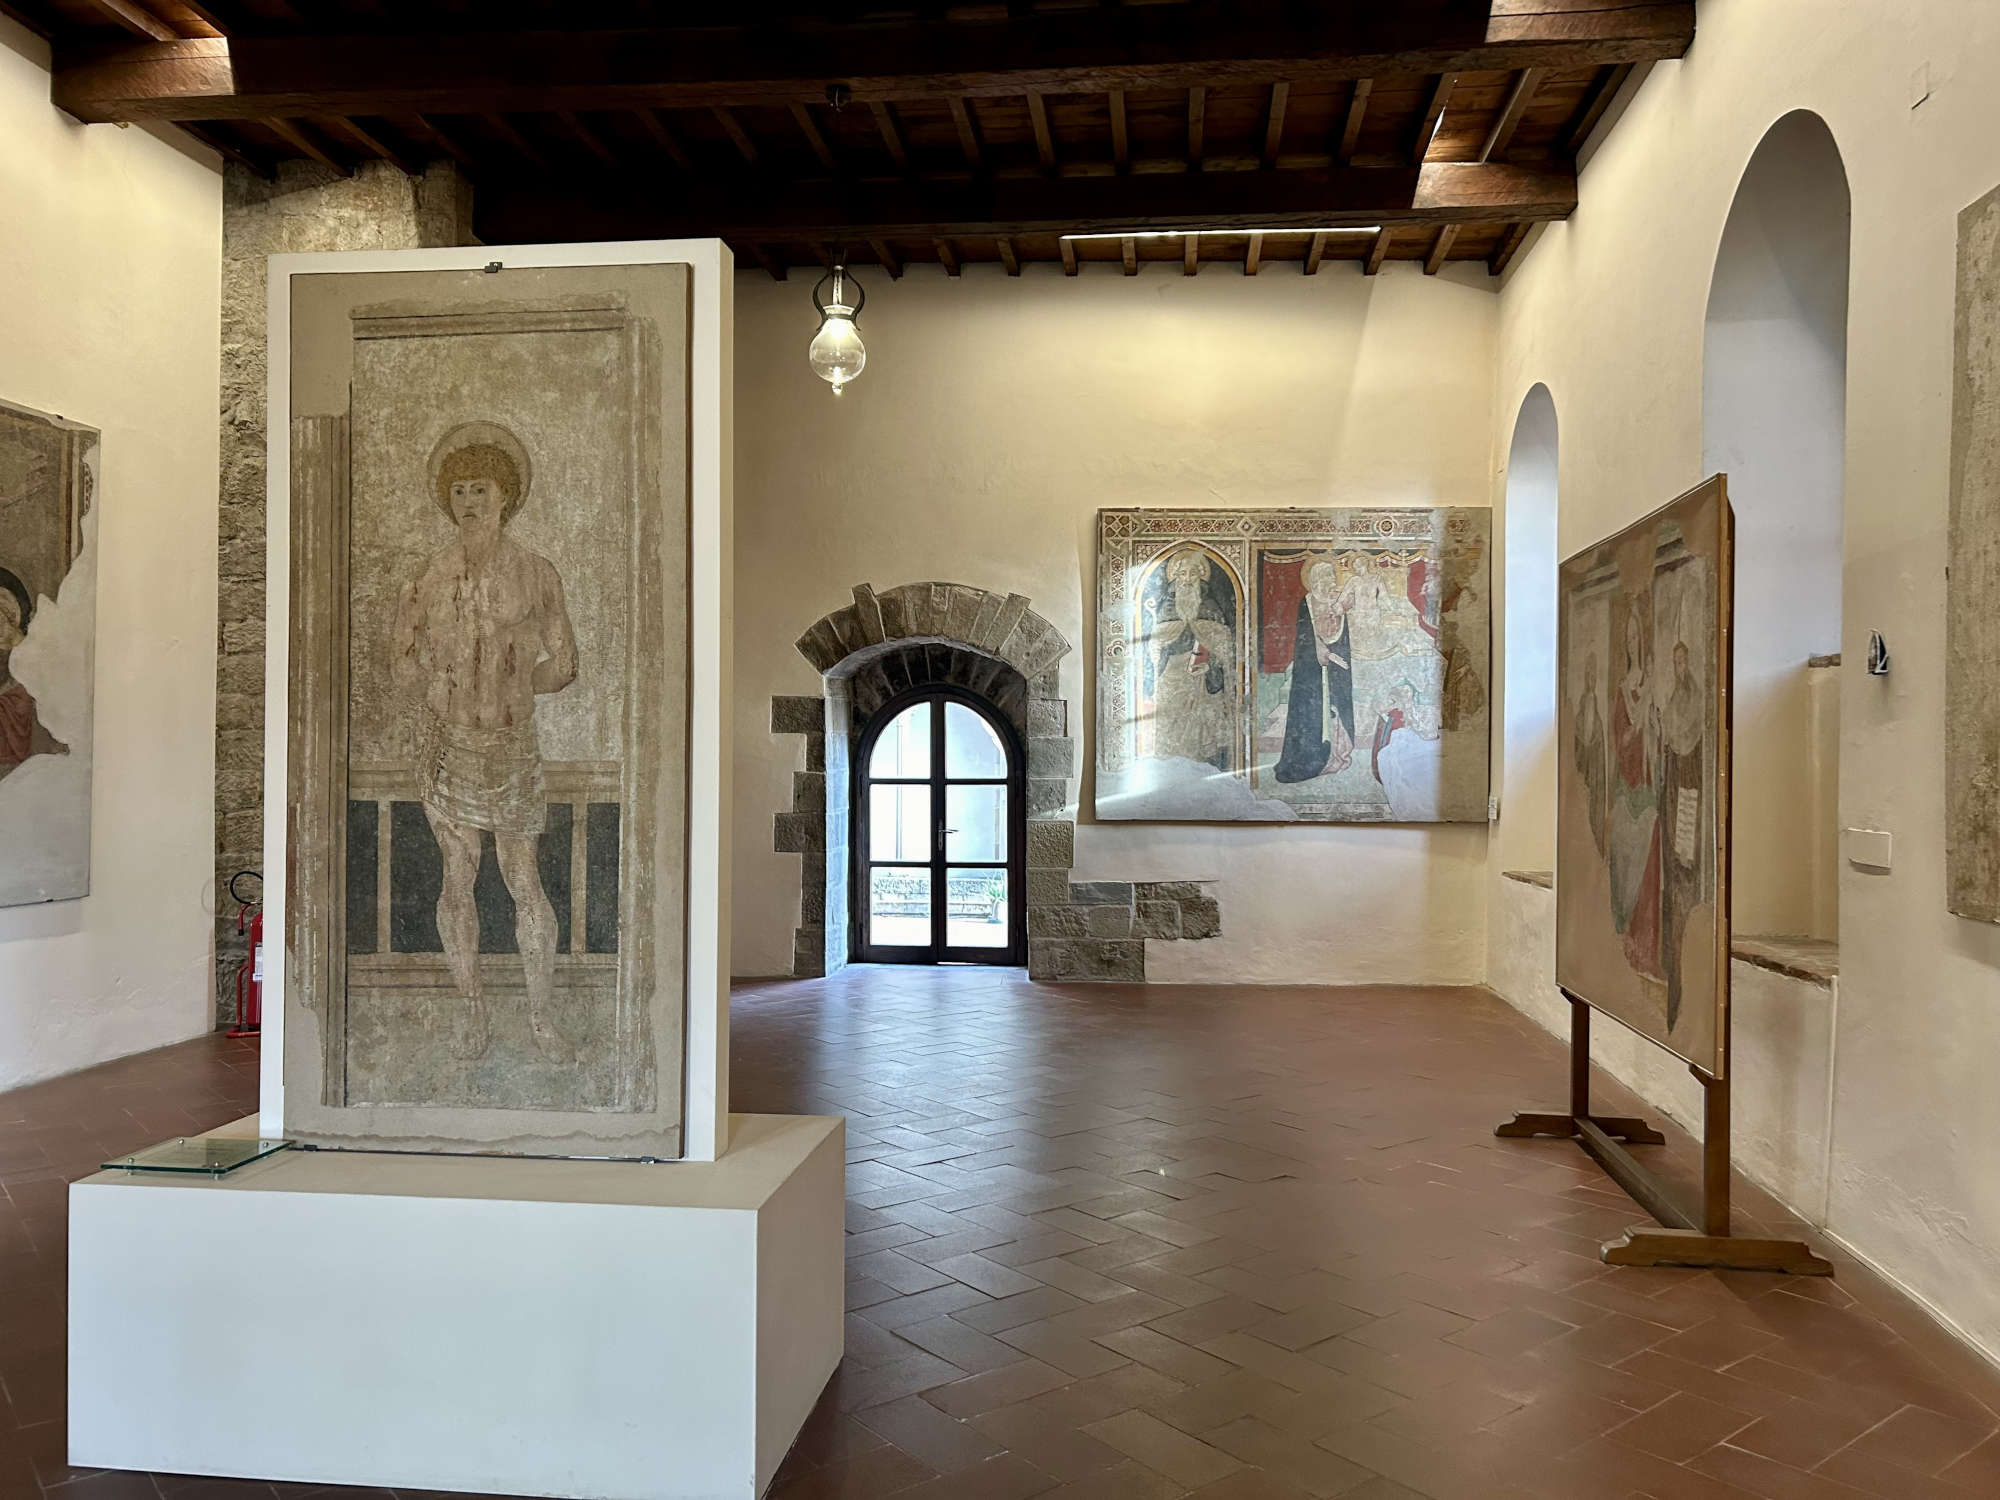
1238	1243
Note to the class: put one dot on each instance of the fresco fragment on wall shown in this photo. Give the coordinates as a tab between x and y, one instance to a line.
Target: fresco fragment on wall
490	550
1642	775
48	627
1293	665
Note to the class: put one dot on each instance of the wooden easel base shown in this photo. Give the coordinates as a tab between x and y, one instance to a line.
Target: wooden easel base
1650	1245
1682	1237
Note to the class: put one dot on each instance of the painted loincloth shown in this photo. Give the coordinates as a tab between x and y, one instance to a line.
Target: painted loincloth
483	778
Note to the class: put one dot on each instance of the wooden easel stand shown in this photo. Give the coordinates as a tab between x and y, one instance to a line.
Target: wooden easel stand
1684	1238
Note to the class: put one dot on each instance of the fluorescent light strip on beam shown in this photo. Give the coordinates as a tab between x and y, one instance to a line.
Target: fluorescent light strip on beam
1172	234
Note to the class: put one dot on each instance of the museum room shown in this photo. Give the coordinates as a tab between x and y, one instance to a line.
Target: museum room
1000	749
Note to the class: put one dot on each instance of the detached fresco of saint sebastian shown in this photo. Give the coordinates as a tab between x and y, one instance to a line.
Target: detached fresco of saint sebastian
479	635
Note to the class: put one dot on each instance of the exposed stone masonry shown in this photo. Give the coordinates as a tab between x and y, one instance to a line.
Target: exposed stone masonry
307	207
995	646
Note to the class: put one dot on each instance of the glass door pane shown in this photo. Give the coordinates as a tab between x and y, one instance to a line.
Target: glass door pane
977	913
899	822
975	821
971	749
899	907
904	748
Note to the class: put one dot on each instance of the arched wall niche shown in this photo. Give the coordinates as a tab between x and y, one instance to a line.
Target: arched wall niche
1774	397
1528	734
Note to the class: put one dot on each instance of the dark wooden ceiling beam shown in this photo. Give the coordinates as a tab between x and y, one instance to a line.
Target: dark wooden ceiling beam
947	257
1038	119
1203	44
526	208
1519	97
1197	126
135	19
1510	246
424	129
892	138
1440	248
968	132
368	141
1378	251
1067	249
1599	100
229	149
1357	107
802	115
586	137
663	136
305	145
776	268
1128	249
501	126
738	136
886	259
1433	116
1121	143
1008	258
1315	253
1190	254
1274	122
1253	255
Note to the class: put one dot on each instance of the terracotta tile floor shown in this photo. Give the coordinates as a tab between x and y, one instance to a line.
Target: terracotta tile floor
1245	1244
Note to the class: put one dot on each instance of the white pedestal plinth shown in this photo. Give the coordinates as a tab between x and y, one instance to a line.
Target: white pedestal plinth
555	1328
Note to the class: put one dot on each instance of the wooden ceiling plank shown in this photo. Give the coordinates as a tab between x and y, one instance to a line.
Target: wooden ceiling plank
663	136
305	145
1433	115
135	19
886	258
501	126
809	128
1510	246
528	208
586	137
1440	248
1315	252
1190	254
1519	97
968	132
1197	125
1121	146
892	138
947	257
1007	256
1357	106
738	136
1038	117
1377	251
1274	122
1076	51
1068	251
1595	103
1129	248
1253	255
369	142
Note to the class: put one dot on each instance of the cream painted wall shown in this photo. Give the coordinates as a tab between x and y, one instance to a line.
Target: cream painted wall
110	245
994	419
1608	310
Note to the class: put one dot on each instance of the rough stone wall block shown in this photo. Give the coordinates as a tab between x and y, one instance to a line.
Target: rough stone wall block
809	791
1108	921
798	715
1047	798
1048	716
809	953
1051	846
868	614
1201	918
1058	921
1005	619
798	833
1048	888
1048	756
1168	890
1102	893
821	647
1160	920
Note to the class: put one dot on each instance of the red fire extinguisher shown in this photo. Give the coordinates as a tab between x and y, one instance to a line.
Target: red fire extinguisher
250	973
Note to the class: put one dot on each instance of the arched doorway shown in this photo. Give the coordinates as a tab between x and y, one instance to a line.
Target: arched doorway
1774	418
940	808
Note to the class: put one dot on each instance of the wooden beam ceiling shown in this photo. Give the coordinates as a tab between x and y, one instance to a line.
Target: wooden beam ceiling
526	210
1203	44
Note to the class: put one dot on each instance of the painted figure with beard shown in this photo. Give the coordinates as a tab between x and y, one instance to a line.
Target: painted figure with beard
480	634
21	730
1319	711
1191	654
1634	821
1683	733
1589	750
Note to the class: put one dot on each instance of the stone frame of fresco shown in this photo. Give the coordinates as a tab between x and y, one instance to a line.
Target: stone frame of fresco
1642	775
487	901
1259	707
48	599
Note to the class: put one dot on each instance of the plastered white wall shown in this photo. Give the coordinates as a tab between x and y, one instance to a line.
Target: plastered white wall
110	245
994	419
1608	310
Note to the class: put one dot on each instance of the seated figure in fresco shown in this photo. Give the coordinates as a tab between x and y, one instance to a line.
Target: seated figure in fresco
21	730
1634	823
1682	733
1589	751
1319	713
479	634
1192	657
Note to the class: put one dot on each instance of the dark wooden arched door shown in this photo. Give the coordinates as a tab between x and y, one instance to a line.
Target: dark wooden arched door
940	813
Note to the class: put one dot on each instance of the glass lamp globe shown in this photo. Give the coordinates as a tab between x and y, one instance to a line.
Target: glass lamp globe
836	352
